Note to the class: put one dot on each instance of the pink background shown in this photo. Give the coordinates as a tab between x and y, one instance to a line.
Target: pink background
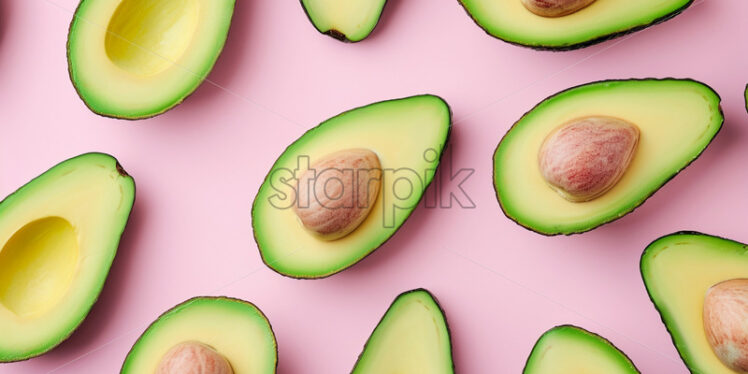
197	169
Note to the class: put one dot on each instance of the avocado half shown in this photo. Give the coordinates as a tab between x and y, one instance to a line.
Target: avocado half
58	237
408	135
511	22
234	328
133	59
344	20
572	350
678	269
677	118
412	337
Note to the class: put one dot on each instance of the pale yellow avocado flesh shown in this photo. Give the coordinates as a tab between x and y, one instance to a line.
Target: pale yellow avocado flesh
138	58
512	22
677	119
236	329
351	19
411	338
572	350
58	238
408	135
678	270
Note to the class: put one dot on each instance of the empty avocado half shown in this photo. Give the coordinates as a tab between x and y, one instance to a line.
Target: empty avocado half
58	237
341	190
412	337
573	350
230	336
684	274
345	20
572	163
135	59
583	24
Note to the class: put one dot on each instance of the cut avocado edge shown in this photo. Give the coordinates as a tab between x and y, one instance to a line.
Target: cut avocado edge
101	108
199	299
28	188
273	265
653	250
339	35
415	292
715	97
582	44
580	333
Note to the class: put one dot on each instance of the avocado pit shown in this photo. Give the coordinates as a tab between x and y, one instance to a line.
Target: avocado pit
726	323
193	358
586	157
337	192
555	8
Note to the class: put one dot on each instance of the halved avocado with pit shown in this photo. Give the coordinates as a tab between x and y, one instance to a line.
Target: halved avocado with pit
135	59
677	120
58	237
234	329
678	270
412	337
512	22
344	20
408	136
572	350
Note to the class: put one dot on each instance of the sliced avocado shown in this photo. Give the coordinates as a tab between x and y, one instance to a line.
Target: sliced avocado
412	337
678	270
58	237
133	59
510	21
345	20
573	350
235	329
677	120
408	135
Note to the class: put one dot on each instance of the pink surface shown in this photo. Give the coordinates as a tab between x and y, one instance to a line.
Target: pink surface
197	169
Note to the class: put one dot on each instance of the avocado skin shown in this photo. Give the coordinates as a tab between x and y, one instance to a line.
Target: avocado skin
590	42
649	294
337	35
254	230
527	362
189	301
168	108
119	240
645	198
438	305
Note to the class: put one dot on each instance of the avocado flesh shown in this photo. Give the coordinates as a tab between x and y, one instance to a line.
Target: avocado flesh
412	337
408	135
573	350
234	328
677	120
510	21
678	270
135	59
58	237
346	20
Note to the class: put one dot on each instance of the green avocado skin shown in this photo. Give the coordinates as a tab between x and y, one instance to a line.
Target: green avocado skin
628	208
257	232
576	45
340	36
27	191
652	250
389	314
574	332
193	301
104	109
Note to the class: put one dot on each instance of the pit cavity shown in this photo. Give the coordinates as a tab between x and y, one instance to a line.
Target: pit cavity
37	266
146	37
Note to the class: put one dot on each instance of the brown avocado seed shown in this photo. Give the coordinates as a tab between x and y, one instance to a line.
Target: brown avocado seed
586	157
